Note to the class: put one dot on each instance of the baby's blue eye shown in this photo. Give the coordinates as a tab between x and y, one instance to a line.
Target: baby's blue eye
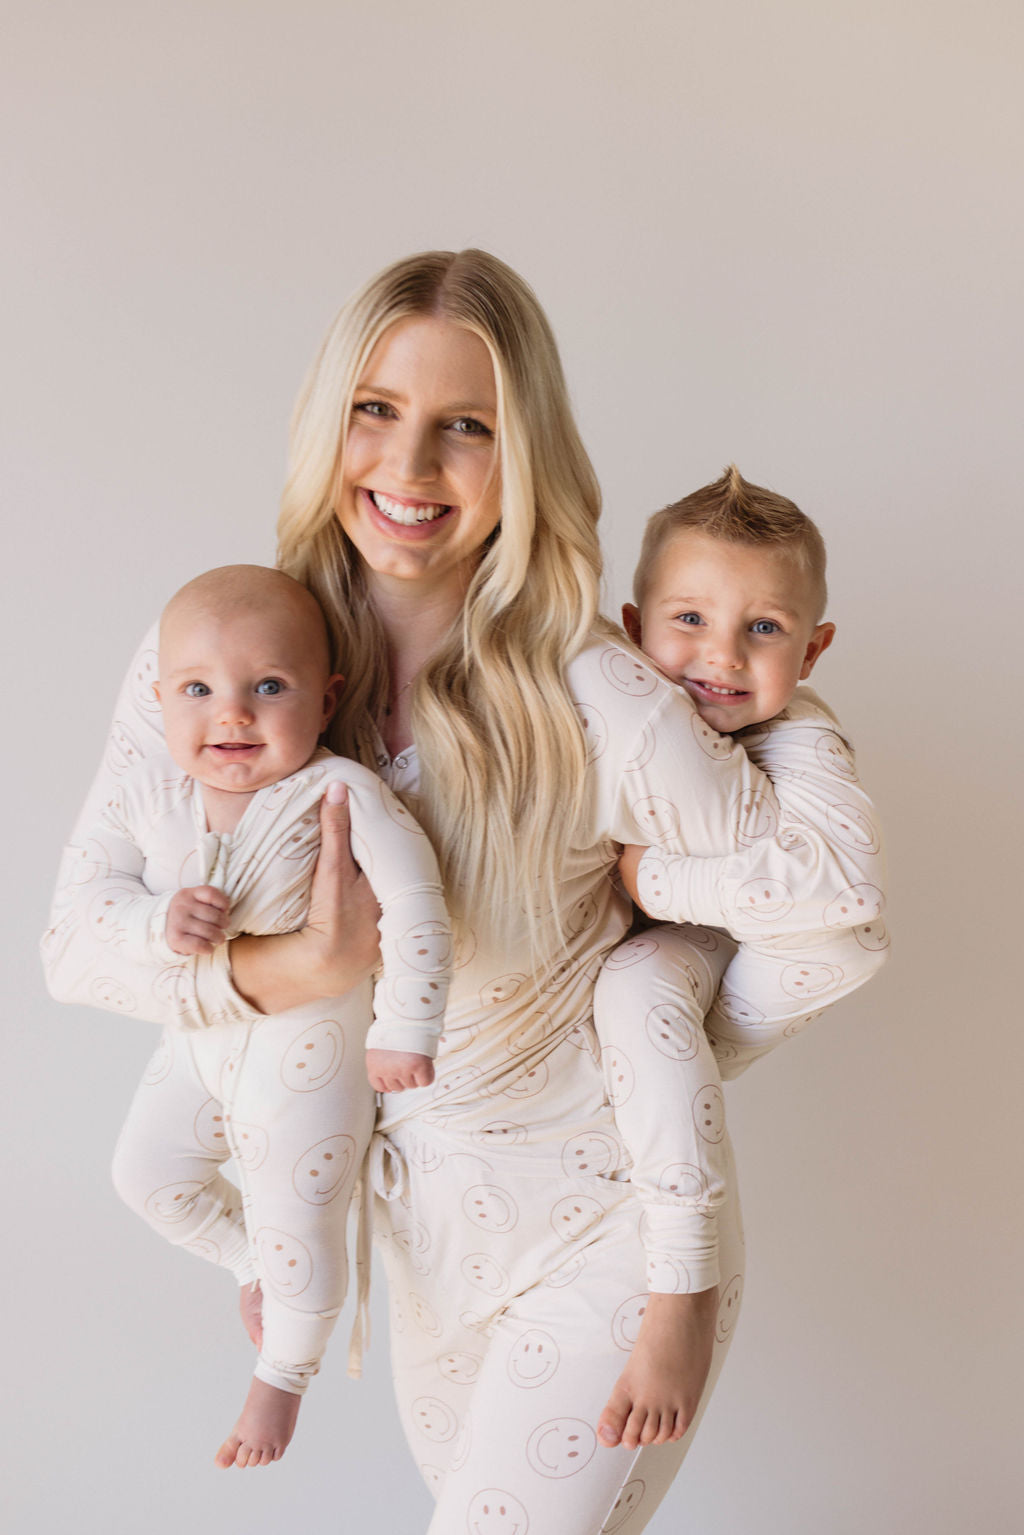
765	626
268	687
196	690
690	618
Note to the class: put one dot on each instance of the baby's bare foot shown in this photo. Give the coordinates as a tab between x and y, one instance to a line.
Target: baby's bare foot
264	1431
656	1397
250	1304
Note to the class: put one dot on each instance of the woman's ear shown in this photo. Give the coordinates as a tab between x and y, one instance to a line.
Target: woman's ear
631	623
820	640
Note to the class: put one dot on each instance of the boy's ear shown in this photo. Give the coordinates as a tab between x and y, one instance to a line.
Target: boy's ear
631	623
820	640
332	692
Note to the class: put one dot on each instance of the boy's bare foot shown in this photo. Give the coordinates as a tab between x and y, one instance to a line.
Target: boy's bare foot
250	1304
264	1431
656	1396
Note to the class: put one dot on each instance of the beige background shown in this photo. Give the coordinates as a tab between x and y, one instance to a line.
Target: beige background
786	233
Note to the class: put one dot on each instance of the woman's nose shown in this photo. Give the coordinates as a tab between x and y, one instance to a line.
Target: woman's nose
413	453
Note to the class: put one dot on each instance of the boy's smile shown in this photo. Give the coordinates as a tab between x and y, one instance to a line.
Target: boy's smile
733	624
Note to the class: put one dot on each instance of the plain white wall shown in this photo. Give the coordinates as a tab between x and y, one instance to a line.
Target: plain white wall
777	231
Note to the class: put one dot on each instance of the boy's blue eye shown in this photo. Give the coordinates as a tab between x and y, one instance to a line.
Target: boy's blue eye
765	626
268	687
196	690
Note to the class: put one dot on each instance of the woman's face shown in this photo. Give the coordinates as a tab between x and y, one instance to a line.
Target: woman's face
420	490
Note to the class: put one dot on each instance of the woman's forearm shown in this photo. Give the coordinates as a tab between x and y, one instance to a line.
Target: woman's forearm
287	970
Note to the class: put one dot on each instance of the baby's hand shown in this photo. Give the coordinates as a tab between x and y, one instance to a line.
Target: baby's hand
196	919
629	862
391	1071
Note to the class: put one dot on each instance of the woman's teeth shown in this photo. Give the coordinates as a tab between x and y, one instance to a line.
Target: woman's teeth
398	511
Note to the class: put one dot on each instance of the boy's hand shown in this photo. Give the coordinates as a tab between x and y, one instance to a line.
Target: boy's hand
629	862
196	919
391	1071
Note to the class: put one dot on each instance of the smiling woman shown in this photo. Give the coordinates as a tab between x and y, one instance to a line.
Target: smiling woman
441	507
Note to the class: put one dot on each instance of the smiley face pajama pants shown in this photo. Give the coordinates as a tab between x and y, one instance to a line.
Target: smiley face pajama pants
517	1292
287	1098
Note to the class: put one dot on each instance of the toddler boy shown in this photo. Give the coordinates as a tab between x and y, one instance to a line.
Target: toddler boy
729	602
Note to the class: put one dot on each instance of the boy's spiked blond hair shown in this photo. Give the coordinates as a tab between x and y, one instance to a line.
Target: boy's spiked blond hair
733	510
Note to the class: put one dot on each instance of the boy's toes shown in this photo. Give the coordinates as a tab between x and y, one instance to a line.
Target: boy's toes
612	1421
228	1452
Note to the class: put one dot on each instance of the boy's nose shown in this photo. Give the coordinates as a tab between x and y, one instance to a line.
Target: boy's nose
236	711
724	651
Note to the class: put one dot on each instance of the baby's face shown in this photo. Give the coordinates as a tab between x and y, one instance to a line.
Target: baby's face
245	694
732	623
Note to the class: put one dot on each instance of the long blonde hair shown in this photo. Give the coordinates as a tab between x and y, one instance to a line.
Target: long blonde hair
500	744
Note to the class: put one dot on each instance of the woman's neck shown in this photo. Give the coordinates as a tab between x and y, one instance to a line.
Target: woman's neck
415	624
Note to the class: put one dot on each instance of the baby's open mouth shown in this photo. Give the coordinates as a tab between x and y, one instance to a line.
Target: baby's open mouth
407	513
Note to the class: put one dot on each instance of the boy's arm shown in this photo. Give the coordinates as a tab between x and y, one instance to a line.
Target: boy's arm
411	988
809	854
106	944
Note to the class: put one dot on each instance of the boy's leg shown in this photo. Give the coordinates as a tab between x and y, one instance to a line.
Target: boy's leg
301	1114
168	1158
663	1084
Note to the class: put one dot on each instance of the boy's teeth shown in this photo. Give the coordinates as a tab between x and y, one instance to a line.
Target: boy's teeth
712	689
407	515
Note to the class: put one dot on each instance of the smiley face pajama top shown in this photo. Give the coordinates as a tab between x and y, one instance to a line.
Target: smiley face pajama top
286	1097
504	1212
662	1061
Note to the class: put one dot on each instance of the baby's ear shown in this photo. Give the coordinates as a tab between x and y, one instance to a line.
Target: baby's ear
631	623
332	693
820	640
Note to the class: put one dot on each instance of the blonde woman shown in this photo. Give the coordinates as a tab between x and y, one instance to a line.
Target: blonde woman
441	507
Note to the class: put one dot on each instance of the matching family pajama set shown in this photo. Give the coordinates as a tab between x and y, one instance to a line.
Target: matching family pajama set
518	1252
286	1097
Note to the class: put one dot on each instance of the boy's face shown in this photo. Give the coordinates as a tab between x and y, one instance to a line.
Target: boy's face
734	624
245	694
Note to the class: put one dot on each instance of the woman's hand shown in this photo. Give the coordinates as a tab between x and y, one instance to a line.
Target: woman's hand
342	941
339	945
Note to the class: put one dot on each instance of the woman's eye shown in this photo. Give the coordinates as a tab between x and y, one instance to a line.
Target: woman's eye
269	687
765	626
196	690
375	408
469	426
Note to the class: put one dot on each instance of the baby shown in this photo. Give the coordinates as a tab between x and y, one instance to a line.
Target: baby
218	837
729	602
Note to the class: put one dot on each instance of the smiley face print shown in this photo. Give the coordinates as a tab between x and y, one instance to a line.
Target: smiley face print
849	824
626	1503
619	1076
627	674
561	1447
427	947
490	1208
314	1058
417	1000
764	899
810	980
627	1321
461	1369
533	1359
631	952
493	1511
595	730
321	1172
854	906
434	1419
709	1114
729	1307
591	1153
710	742
655	818
174	1201
285	1263
574	1215
143	683
672	1032
754	816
